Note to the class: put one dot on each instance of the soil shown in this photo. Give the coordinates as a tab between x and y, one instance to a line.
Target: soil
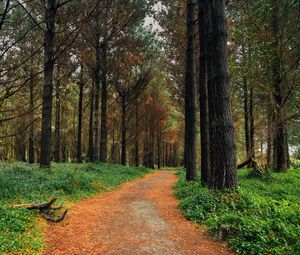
140	218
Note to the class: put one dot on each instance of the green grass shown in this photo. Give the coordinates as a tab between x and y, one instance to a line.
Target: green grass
21	230
262	216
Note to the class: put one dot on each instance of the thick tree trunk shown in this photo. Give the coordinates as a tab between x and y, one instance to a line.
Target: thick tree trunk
103	138
91	121
57	118
79	130
123	132
45	157
280	138
221	130
204	114
31	158
190	96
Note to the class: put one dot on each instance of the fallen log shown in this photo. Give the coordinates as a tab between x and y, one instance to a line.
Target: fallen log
248	162
45	209
37	206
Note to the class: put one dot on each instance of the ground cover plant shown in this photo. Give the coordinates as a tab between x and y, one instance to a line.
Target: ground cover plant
261	217
21	230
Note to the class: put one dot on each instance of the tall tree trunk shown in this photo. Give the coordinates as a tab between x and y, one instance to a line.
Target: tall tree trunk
136	142
246	116
221	130
91	121
158	147
45	157
96	103
151	141
123	131
31	158
251	133
204	114
103	138
190	96
280	143
79	130
113	153
57	117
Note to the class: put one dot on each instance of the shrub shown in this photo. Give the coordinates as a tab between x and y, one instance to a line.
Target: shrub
262	217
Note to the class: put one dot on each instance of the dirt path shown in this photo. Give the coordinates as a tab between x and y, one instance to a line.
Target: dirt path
140	218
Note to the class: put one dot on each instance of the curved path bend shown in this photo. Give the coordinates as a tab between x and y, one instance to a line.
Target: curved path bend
140	218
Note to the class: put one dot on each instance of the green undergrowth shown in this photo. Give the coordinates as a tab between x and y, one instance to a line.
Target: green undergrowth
20	229
261	217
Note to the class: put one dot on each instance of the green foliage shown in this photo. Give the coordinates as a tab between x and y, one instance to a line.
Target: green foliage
262	217
297	153
295	163
24	183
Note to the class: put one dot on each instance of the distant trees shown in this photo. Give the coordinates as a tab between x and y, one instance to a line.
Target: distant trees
80	41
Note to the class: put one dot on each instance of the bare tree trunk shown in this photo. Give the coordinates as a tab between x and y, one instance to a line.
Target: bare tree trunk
96	104
103	138
57	117
246	117
190	96
31	158
158	147
123	131
204	114
136	142
280	143
91	133
79	130
20	147
221	130
251	116
151	142
45	157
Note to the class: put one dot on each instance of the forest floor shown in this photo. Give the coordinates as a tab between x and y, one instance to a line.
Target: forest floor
139	218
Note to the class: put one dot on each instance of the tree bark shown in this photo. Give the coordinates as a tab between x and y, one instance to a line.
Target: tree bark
246	116
96	103
57	118
221	130
252	130
158	147
136	142
280	138
79	130
31	158
103	138
45	157
204	114
123	131
190	96
91	133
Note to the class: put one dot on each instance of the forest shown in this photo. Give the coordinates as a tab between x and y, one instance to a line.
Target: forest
179	111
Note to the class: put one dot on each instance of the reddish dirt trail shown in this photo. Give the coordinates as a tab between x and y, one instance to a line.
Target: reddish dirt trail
140	218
